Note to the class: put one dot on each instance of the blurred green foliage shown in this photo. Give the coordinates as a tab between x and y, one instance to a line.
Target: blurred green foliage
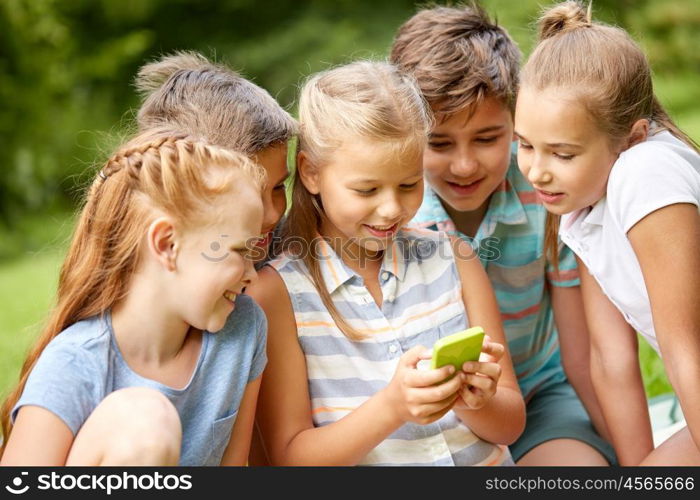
66	68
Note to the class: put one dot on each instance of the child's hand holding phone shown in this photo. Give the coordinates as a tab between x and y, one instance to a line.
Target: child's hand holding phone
476	358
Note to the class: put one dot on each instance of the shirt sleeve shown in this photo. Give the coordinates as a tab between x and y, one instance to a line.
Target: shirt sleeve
647	179
66	382
260	354
567	276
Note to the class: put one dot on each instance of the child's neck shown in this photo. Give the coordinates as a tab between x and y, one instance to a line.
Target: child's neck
467	222
364	262
154	342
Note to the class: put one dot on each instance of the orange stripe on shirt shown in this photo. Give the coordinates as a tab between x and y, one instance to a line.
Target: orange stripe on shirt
329	264
520	314
569	275
310	324
327	409
499	457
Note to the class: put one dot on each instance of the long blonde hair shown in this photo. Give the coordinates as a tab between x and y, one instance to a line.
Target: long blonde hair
158	170
363	100
605	69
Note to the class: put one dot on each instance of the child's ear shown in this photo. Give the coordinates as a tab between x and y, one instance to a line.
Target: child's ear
638	133
308	173
162	243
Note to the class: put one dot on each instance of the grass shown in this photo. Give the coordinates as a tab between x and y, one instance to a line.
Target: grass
653	373
27	286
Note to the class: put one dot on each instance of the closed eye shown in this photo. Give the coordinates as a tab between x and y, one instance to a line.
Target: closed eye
564	157
365	192
408	187
487	140
438	144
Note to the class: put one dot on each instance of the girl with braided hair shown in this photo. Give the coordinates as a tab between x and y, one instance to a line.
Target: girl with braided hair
186	91
142	362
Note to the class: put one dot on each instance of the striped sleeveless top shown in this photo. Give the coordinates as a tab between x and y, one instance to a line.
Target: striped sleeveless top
422	302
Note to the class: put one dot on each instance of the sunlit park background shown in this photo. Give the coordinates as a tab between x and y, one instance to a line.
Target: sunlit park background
66	71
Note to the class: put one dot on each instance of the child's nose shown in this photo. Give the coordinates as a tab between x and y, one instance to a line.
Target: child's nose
390	208
537	172
464	165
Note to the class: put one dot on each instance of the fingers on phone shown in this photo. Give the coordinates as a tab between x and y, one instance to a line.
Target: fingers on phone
428	378
478	382
491	370
493	349
472	400
411	357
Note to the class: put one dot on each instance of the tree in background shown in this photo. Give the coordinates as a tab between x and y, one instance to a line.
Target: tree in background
66	66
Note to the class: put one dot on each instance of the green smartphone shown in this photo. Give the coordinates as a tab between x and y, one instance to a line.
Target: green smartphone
458	348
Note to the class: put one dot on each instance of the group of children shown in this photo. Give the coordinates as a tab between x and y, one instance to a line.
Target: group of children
411	219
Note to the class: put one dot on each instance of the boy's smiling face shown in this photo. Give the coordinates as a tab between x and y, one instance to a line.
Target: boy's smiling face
467	156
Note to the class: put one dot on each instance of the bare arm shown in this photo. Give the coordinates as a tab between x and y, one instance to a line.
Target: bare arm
666	243
38	438
284	407
615	373
502	419
574	343
236	452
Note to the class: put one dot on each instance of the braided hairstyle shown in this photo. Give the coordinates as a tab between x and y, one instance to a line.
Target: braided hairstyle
159	171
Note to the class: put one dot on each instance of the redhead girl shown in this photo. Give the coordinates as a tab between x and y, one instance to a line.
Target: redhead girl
142	362
187	91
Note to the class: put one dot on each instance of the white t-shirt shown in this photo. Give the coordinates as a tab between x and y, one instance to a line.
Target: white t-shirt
658	172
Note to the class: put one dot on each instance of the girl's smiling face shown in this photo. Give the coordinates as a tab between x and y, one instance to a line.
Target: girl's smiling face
215	259
369	191
561	151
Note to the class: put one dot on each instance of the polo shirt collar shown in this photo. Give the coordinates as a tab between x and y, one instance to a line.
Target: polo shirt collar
597	213
336	273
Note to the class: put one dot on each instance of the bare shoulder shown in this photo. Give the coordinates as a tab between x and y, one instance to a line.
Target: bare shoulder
269	291
466	259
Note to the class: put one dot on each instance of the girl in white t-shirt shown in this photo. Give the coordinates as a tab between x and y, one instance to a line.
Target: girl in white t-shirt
603	154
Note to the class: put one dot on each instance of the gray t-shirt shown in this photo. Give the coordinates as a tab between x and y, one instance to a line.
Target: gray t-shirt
83	364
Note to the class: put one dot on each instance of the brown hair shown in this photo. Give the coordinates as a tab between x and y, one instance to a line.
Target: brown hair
364	100
458	56
604	69
187	91
159	170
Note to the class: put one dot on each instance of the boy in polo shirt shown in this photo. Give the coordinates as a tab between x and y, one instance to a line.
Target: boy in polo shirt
467	68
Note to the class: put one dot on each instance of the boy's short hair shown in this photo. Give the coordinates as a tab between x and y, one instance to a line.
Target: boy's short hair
187	91
458	56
